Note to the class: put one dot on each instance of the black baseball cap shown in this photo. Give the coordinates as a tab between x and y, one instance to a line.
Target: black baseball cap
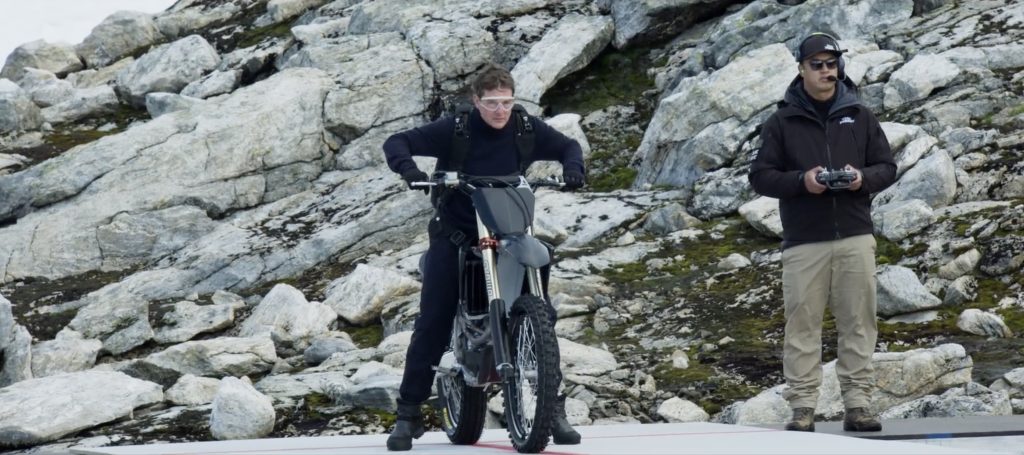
816	43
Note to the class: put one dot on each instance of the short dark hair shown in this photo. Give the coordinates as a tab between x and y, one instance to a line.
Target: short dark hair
493	77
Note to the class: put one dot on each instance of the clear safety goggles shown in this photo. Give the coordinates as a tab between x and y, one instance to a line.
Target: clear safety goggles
493	103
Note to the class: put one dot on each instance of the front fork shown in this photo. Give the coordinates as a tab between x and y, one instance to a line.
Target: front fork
498	308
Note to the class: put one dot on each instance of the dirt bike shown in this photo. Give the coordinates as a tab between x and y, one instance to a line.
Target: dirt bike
495	343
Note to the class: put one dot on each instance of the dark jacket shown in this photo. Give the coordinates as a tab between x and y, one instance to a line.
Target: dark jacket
491	153
795	140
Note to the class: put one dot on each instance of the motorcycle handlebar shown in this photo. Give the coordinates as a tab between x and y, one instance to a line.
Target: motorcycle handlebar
444	180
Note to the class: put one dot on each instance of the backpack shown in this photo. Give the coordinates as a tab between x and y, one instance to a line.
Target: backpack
460	139
525	140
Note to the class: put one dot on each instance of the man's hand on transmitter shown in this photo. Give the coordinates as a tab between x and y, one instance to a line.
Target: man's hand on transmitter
811	183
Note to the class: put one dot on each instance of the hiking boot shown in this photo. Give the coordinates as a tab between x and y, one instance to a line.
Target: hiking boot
803	420
561	432
859	419
408	426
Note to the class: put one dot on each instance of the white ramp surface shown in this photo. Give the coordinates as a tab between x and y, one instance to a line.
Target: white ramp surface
670	438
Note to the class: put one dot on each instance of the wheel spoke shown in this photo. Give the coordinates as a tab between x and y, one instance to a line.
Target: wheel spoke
526	374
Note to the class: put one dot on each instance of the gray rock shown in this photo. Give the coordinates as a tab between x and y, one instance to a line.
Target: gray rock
17	356
290	320
45	409
983	323
187	320
67	353
900	377
322	348
918	78
1003	255
932	180
190	390
669	218
589	217
961	265
1012	382
972	399
900	291
701	124
359	297
213	84
256	146
280	10
318	31
373	85
159	103
240	411
57	58
453	47
900	219
733	261
7	322
17	111
578	359
167	68
285	387
640	21
720	192
183	19
919	317
99	76
763	214
960	291
121	322
83	103
224	356
566	48
910	154
119	35
677	409
44	88
378	393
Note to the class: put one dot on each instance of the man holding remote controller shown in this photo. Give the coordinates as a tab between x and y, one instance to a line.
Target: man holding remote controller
822	155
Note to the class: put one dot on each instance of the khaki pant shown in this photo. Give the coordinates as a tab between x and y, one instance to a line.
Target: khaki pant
841	274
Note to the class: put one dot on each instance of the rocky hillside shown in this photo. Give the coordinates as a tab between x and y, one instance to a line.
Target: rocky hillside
199	238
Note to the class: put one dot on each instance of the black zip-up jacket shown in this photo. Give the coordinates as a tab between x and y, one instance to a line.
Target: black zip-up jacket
491	153
795	140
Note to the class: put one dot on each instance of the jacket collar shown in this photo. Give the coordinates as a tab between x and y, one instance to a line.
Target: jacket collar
795	97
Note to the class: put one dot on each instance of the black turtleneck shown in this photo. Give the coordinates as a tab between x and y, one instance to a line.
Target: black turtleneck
492	152
822	107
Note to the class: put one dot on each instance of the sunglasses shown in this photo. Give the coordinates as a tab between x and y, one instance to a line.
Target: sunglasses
816	65
493	103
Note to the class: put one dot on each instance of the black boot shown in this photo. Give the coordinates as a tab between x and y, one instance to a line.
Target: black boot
561	432
408	426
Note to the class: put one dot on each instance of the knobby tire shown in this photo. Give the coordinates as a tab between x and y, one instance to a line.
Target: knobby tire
530	399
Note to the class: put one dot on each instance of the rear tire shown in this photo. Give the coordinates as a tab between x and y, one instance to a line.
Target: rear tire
463	409
531	396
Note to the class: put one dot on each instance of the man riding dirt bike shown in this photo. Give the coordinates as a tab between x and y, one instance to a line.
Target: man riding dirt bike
496	138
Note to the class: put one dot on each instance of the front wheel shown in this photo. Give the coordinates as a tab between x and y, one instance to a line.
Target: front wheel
531	394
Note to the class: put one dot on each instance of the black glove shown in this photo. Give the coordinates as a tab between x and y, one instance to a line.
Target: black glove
573	180
416	175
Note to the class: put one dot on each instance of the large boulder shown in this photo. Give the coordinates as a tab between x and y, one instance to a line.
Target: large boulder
168	68
702	123
156	187
120	34
57	58
17	111
566	48
240	411
290	320
40	410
